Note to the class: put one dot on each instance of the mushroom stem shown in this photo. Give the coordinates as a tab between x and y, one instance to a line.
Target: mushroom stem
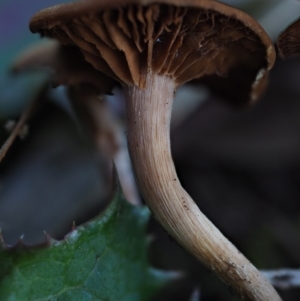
149	114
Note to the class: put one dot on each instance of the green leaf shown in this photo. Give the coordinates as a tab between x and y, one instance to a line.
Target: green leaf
105	259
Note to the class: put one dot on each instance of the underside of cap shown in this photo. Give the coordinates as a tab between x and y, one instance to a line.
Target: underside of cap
200	39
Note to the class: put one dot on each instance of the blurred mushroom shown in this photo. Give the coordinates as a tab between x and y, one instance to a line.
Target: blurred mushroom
288	42
107	133
151	49
66	64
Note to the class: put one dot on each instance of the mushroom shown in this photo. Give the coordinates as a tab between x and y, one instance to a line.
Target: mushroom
107	132
64	63
288	42
151	48
68	67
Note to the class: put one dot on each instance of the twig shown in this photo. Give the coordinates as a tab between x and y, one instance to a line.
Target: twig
18	127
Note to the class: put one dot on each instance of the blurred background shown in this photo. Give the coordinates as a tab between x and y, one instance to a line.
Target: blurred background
242	166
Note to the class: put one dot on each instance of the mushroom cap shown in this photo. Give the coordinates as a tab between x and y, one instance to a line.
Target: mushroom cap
288	42
185	40
67	65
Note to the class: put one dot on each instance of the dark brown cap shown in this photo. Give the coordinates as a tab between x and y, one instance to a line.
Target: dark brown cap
186	40
288	42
